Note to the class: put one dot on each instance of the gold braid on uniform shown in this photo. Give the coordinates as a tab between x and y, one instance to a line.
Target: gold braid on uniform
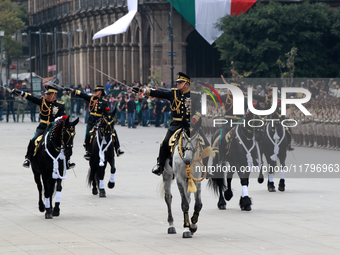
92	104
176	104
229	101
268	100
46	110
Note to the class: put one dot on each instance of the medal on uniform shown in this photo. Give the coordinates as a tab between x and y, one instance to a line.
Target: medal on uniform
55	109
187	104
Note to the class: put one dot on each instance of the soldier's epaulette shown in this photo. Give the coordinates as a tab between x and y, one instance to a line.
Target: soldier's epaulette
60	102
174	88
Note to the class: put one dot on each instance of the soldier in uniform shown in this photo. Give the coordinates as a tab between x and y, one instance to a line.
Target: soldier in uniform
97	104
49	109
179	103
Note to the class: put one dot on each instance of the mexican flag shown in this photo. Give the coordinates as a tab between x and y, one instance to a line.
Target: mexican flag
203	14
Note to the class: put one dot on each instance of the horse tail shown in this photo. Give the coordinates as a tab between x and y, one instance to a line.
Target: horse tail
216	184
91	176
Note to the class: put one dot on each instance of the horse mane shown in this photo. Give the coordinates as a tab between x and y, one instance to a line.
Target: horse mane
56	128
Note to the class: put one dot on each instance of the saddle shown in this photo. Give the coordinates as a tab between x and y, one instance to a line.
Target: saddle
216	144
39	141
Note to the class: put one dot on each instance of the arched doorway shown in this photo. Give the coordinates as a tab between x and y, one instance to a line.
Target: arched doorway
203	59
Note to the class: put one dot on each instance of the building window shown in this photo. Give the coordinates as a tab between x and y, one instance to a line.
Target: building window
96	4
120	2
111	3
105	3
90	5
54	12
65	9
59	11
83	5
76	5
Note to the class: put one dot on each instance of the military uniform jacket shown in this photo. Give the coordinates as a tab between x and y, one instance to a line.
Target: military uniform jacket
179	104
49	111
96	106
228	106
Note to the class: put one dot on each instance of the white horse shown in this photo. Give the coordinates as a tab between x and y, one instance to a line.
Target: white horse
189	172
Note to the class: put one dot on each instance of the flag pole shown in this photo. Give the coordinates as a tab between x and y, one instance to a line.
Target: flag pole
172	45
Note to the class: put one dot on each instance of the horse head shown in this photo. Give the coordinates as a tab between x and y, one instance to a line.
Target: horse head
67	135
254	126
106	124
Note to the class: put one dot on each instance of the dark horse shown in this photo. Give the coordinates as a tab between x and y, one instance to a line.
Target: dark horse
49	162
274	146
242	152
102	152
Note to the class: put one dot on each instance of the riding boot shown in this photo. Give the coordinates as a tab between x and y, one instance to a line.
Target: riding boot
70	164
158	170
289	140
117	145
29	154
88	149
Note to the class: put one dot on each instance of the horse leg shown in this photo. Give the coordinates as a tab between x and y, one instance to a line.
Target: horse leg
39	186
197	209
94	187
282	176
185	208
167	178
221	202
245	201
56	209
101	173
48	194
111	182
228	194
260	179
270	183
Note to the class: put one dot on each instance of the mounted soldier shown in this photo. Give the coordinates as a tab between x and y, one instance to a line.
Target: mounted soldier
267	99
180	103
49	109
97	106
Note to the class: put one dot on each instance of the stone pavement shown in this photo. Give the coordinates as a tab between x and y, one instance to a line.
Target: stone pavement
132	218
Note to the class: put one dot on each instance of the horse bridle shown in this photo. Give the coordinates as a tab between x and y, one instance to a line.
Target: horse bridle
71	133
108	124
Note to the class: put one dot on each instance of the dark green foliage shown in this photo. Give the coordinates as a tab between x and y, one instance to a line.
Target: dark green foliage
257	39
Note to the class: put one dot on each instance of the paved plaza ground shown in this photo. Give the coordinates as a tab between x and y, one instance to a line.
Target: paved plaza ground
132	218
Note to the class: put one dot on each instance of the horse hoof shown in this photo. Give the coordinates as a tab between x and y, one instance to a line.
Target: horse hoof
271	187
245	203
222	207
260	180
171	230
193	229
228	194
111	185
95	191
41	206
56	212
48	216
186	234
282	185
102	193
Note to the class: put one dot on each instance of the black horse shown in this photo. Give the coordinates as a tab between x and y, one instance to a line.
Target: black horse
242	152
274	146
103	138
49	162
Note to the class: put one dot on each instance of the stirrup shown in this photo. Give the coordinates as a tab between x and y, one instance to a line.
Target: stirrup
70	164
87	155
26	163
158	170
119	152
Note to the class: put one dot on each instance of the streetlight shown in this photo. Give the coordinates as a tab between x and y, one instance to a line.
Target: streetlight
69	49
2	35
69	52
55	50
40	48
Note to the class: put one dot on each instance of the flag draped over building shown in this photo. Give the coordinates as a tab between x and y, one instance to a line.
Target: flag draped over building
121	25
203	14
